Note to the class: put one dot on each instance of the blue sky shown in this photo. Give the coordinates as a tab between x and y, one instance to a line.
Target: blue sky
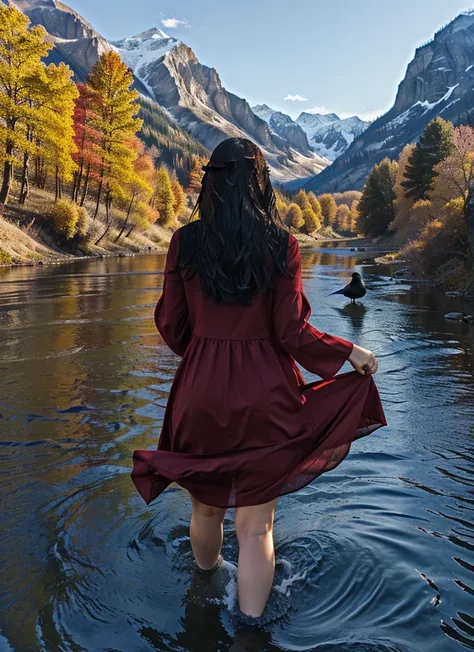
347	56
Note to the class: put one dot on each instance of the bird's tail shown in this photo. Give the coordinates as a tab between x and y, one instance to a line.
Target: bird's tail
336	292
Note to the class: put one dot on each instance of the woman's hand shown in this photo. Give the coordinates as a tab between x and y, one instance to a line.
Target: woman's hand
363	361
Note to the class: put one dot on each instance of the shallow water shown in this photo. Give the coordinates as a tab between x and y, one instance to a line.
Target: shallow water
377	555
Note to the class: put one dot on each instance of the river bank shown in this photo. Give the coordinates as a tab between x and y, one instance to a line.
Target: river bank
27	239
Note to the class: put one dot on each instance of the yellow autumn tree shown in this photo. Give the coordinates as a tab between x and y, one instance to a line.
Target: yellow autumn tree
316	206
354	216
403	204
311	222
55	128
179	203
21	51
281	205
195	176
328	208
139	186
115	107
164	198
343	218
294	216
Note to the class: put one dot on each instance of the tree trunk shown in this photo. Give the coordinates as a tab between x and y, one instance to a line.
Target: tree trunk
78	182
25	181
74	187
41	174
7	175
56	182
126	219
130	231
99	197
108	204
86	185
104	233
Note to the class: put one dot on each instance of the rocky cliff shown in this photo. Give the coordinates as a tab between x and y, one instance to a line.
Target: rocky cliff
439	81
282	125
196	98
75	40
329	135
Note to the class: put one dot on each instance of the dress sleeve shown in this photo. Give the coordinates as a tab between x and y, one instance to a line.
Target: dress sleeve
320	353
171	312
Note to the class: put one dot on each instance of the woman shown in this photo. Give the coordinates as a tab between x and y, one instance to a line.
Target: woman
241	427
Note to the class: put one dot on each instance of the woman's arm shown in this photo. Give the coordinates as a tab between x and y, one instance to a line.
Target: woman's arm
171	312
318	352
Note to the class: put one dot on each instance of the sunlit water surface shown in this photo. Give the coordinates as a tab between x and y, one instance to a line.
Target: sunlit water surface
377	555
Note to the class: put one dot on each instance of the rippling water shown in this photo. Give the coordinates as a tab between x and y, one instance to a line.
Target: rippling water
377	555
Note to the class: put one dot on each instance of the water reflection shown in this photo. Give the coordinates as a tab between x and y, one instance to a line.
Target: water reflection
377	555
355	312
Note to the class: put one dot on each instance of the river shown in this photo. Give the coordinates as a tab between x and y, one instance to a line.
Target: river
377	555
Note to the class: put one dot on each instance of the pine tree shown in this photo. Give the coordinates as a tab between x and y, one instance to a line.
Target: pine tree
294	216
328	208
195	176
113	102
377	204
164	197
435	144
21	51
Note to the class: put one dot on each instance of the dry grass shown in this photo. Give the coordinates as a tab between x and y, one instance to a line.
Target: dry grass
27	236
22	245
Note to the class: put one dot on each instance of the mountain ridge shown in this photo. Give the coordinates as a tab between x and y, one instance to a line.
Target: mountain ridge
189	94
326	134
195	97
439	81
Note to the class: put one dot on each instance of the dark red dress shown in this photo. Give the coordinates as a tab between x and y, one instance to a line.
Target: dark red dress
241	427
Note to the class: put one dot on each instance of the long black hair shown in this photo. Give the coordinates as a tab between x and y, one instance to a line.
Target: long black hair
237	243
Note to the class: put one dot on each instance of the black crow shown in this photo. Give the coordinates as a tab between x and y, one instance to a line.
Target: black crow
354	290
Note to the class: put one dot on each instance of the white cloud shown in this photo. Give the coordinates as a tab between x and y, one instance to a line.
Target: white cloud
296	98
172	23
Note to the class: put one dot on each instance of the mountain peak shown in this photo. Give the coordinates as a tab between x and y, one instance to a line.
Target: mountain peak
317	118
144	49
154	33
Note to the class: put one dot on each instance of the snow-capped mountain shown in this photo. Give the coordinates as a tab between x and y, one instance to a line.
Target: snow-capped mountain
329	135
439	81
167	71
194	96
282	125
141	50
326	134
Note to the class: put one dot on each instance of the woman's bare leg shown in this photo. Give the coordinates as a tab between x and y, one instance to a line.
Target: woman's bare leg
254	527
206	533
